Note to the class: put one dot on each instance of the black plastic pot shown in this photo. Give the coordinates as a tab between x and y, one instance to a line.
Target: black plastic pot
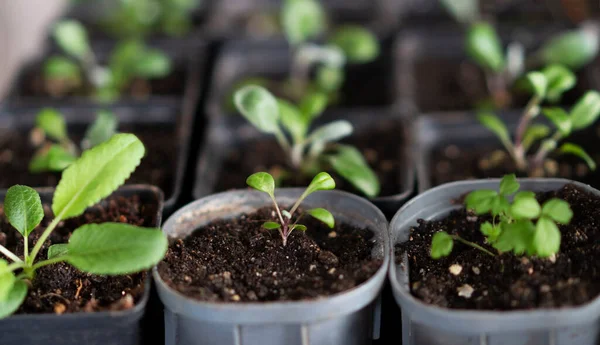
134	119
423	323
229	134
429	62
462	133
272	60
181	87
120	327
347	318
233	18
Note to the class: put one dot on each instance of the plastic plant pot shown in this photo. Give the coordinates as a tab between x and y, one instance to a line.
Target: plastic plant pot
107	327
149	119
433	70
347	318
271	60
432	325
230	134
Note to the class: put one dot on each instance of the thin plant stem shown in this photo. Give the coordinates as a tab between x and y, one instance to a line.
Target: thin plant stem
49	262
300	199
528	114
26	248
9	254
543	151
278	211
15	266
44	237
471	244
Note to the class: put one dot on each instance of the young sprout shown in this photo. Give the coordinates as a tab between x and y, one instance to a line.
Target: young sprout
56	151
129	60
573	49
512	228
307	152
548	83
264	182
107	248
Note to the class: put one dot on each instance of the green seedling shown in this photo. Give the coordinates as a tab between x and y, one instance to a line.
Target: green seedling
55	150
129	60
307	152
572	49
264	182
106	249
548	83
140	18
513	227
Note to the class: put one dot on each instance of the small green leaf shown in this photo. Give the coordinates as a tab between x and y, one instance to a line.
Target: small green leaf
263	182
14	299
350	164
358	44
464	11
293	120
58	67
52	123
322	215
329	79
302	20
534	133
560	119
483	46
23	208
525	208
153	64
490	231
259	107
94	176
103	128
515	237
509	185
573	49
271	225
557	210
546	240
576	150
115	248
323	181
494	124
331	132
286	214
586	111
524	195
57	250
538	82
71	36
500	205
55	158
299	227
313	104
441	245
560	79
7	281
481	201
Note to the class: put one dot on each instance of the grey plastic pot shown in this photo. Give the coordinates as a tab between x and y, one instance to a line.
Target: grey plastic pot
432	325
348	318
99	328
226	135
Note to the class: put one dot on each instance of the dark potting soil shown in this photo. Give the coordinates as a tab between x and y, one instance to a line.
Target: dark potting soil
452	85
506	281
237	260
454	163
157	167
61	288
382	147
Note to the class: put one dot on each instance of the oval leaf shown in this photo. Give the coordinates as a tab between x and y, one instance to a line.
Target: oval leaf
293	120
494	124
525	208
115	248
509	184
573	49
560	79
586	110
329	78
322	215
302	20
560	119
23	208
534	133
58	67
441	245
483	46
57	250
14	299
358	44
72	37
262	181
333	131
323	181
271	225
350	164
576	150
481	201
259	107
52	123
464	11
538	82
546	239
94	176
558	210
313	104
103	128
153	64
56	158
299	227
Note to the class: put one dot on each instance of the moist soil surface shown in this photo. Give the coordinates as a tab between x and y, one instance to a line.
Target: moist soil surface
507	282
454	163
382	147
157	167
237	260
451	85
61	288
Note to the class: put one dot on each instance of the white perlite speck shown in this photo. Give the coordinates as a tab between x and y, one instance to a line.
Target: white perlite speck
455	269
465	291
